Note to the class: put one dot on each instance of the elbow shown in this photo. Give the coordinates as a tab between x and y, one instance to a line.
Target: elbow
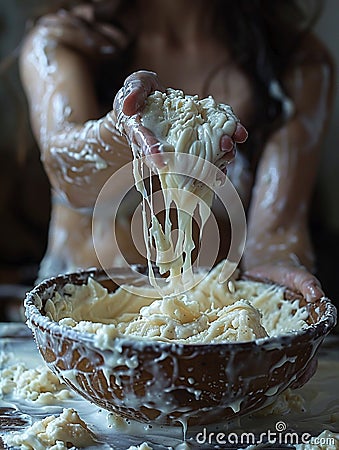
72	185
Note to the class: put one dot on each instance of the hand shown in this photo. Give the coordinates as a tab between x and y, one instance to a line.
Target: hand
298	279
227	143
80	30
295	277
127	106
129	103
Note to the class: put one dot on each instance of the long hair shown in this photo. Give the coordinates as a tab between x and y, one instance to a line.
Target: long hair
262	36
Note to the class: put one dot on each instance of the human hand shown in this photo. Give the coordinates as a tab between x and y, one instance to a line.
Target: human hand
299	280
295	277
81	30
128	106
227	143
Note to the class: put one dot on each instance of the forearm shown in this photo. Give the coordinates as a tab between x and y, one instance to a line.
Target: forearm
284	257
278	228
80	158
290	246
79	154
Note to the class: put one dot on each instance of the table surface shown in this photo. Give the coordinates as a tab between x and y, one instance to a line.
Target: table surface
321	396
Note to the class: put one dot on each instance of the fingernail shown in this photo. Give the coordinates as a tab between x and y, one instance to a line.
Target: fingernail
227	147
128	89
226	144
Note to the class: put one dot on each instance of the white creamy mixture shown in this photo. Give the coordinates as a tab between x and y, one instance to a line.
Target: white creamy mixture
325	441
314	407
143	446
287	402
209	313
54	433
189	130
38	385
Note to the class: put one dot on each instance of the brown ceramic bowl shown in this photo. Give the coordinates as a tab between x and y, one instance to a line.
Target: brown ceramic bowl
170	383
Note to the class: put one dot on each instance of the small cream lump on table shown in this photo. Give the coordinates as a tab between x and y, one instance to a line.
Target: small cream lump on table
54	432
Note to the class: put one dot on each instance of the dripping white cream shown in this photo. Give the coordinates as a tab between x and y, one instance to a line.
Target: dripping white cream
189	130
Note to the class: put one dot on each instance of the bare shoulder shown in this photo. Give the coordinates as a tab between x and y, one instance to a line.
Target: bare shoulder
311	50
311	70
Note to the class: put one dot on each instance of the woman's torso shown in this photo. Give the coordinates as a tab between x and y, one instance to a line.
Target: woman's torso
204	69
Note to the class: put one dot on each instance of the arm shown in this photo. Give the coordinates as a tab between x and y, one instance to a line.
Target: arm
79	149
279	246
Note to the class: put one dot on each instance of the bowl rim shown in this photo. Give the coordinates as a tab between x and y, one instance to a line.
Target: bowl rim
35	318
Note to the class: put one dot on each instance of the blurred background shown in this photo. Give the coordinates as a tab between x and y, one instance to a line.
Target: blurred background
24	188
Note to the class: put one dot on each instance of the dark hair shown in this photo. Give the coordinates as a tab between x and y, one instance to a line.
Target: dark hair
262	35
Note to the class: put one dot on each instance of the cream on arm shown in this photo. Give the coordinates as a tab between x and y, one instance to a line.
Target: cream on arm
80	148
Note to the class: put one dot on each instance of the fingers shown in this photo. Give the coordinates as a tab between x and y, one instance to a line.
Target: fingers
141	139
146	140
137	87
311	289
81	33
229	149
132	95
297	279
240	135
227	143
128	102
302	281
148	146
